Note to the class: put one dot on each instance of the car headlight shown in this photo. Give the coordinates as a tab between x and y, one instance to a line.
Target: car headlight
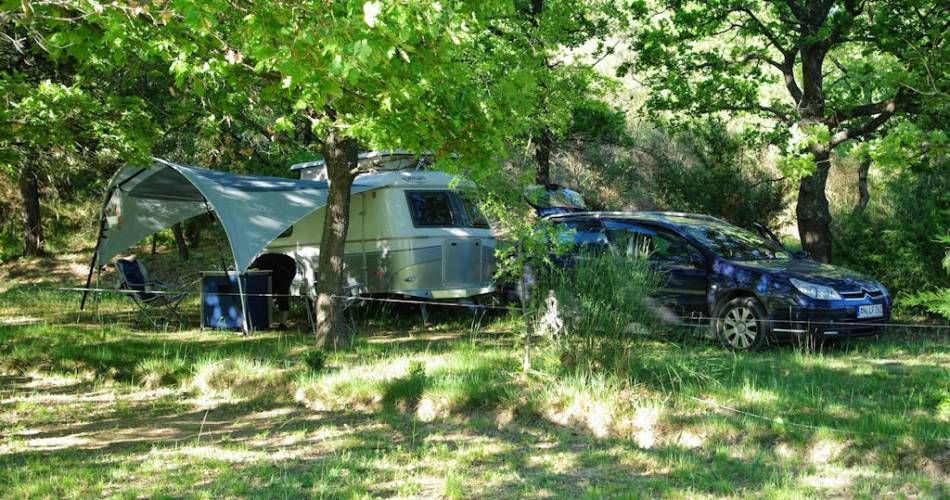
883	289
815	291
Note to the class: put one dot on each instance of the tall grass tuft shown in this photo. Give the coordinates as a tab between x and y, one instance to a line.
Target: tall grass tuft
603	309
239	377
164	371
431	385
314	359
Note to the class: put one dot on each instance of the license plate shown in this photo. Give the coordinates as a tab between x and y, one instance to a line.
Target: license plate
870	311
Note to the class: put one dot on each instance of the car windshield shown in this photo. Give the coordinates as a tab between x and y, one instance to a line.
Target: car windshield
735	243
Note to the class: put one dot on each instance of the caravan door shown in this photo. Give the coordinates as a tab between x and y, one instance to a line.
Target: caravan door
462	262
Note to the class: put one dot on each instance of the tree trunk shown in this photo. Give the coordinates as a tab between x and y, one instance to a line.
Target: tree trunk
543	140
340	154
864	197
193	232
814	219
180	242
33	242
542	154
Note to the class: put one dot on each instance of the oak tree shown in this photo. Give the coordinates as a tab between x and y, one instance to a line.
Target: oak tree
358	75
59	112
811	74
561	42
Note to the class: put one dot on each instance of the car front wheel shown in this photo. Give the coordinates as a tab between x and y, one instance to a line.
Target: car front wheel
742	325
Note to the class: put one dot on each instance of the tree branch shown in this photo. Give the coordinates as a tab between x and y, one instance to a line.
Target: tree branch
763	181
788	72
866	128
777	113
851	8
767	60
837	117
797	10
840	66
765	31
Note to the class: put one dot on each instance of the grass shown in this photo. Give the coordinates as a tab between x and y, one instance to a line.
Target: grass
90	409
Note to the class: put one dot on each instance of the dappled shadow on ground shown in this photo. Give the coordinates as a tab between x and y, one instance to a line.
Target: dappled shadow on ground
255	439
114	352
93	438
163	443
62	270
104	355
81	435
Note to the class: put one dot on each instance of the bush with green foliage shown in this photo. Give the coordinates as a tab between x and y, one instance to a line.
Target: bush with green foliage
893	238
161	371
934	301
709	170
597	121
315	359
238	377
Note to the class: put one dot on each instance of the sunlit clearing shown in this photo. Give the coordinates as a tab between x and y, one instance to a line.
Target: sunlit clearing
753	395
825	450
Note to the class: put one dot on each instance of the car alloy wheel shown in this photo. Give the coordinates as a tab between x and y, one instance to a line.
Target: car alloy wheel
741	325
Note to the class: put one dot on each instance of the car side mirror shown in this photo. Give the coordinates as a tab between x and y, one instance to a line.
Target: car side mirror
801	255
697	260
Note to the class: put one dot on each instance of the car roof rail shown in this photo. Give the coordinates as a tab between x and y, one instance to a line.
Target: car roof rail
683	214
646	214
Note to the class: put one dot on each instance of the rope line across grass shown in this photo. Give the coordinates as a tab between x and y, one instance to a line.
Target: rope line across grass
683	320
782	421
707	402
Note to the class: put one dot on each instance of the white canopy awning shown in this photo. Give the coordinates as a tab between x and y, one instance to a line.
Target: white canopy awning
253	210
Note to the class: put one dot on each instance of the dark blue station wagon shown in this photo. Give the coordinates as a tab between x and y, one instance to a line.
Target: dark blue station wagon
747	287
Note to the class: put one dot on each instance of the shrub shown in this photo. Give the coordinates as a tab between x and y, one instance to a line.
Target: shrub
239	377
709	170
406	392
893	238
430	386
157	372
934	301
599	122
315	359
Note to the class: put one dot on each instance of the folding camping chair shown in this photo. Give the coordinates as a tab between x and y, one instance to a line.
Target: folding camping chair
151	297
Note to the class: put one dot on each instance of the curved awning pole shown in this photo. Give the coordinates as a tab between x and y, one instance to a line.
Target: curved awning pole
245	324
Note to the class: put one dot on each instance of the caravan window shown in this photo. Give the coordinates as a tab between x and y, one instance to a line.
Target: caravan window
443	209
433	208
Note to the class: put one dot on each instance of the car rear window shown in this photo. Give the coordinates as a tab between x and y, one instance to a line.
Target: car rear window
584	233
656	245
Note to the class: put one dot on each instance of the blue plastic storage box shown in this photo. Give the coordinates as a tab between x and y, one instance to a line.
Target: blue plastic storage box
221	302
